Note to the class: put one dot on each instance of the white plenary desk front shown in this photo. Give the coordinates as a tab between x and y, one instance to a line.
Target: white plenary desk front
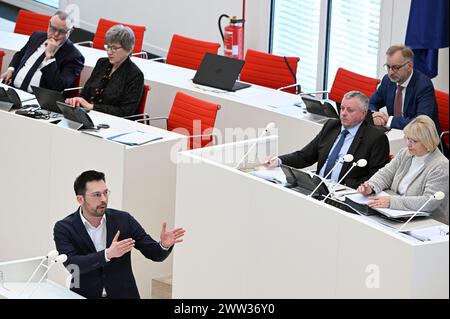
249	238
245	110
39	162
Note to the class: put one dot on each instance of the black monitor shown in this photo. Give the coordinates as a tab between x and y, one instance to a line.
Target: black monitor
76	114
47	98
305	182
220	72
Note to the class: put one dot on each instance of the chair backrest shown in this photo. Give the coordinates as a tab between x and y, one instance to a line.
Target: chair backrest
188	53
104	25
187	112
269	70
2	53
443	113
28	22
346	81
141	108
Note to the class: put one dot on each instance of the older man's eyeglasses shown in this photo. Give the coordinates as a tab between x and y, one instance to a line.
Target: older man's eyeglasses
54	29
98	195
112	48
395	68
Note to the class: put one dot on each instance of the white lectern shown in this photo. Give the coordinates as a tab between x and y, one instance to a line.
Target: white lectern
14	276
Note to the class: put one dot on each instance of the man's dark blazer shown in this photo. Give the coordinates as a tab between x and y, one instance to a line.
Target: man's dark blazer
116	276
369	143
419	99
59	75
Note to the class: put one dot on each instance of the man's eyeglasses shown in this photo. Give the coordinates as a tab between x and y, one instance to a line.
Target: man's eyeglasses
98	195
395	68
54	30
410	141
112	48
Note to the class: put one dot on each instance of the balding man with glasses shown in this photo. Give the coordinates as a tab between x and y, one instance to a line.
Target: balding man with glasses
405	92
49	59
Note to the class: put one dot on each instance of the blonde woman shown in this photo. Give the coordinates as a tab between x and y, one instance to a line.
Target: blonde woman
414	174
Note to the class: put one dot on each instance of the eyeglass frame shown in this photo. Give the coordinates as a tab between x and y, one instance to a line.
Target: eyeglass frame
60	31
98	195
394	68
410	140
113	49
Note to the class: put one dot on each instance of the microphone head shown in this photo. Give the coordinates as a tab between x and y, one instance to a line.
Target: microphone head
439	195
270	126
348	158
61	258
361	162
52	254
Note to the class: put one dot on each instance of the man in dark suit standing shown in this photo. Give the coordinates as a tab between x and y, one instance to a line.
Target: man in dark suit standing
48	60
349	135
98	241
405	92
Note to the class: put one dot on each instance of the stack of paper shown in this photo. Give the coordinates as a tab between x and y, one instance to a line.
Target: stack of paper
134	138
429	233
275	175
391	213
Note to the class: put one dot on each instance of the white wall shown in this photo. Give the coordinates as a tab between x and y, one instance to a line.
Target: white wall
163	18
198	19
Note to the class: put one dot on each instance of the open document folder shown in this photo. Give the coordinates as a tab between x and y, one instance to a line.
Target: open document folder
391	213
134	138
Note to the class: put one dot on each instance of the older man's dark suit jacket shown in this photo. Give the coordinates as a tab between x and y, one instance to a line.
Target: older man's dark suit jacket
419	99
116	276
58	75
369	143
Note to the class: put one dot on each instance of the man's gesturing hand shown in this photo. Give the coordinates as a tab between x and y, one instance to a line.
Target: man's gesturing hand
119	248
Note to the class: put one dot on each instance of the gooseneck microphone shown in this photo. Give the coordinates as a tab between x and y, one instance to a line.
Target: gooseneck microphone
52	257
347	158
58	260
267	130
438	196
360	163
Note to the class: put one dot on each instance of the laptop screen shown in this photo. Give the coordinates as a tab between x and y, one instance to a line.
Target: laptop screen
220	72
47	98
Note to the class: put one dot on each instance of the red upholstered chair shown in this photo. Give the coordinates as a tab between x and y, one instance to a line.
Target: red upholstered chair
270	70
192	117
28	22
346	81
141	109
187	52
104	25
2	53
443	114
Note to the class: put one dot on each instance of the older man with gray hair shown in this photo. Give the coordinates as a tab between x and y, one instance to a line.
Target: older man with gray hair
349	135
48	60
116	83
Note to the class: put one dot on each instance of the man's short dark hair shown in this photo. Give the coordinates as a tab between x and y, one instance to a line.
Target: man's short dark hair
79	185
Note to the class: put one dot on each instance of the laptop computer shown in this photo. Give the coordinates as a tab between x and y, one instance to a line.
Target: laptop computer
304	182
47	98
75	117
220	72
319	108
10	100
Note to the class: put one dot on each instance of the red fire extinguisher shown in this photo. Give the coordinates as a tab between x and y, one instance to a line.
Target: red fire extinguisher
233	37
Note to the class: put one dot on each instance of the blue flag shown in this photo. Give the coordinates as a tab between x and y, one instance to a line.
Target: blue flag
427	32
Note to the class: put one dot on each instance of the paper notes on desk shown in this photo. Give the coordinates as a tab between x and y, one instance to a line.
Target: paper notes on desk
429	233
134	138
391	213
274	175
